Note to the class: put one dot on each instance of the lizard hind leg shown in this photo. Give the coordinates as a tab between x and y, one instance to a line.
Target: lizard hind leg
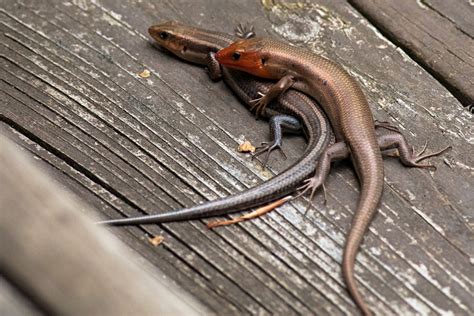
311	185
277	124
266	148
407	154
335	152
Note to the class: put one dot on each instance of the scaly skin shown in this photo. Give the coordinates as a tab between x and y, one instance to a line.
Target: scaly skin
346	106
195	45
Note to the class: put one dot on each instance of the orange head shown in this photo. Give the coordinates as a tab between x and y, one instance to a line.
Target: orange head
247	55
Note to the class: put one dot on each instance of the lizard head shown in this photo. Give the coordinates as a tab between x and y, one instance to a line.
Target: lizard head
249	55
177	38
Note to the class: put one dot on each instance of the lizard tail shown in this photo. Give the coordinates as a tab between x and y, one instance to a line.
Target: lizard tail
371	191
264	193
348	263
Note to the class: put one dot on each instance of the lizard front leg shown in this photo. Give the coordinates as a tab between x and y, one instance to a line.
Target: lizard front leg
275	91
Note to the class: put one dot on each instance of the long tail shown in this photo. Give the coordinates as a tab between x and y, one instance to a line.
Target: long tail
371	192
198	211
266	192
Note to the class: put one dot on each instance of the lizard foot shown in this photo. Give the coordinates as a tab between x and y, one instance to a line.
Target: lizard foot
406	153
244	31
311	185
414	160
267	148
258	104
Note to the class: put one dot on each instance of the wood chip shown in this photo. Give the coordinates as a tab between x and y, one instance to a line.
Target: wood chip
246	147
258	212
145	73
157	240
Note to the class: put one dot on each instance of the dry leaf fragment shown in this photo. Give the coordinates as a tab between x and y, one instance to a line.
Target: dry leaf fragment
157	240
258	212
246	147
145	73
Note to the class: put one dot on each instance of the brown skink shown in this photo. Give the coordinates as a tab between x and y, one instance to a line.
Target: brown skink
346	106
293	111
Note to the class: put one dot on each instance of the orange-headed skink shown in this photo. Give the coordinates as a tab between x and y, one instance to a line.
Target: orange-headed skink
198	46
347	108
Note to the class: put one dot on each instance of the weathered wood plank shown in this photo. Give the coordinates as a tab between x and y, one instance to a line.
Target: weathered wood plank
72	70
13	303
438	34
70	178
63	263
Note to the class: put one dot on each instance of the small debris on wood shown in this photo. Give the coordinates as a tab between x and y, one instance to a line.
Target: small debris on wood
258	212
246	147
157	240
145	73
447	163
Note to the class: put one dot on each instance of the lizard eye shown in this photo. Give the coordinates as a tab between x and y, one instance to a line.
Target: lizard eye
236	56
164	35
264	61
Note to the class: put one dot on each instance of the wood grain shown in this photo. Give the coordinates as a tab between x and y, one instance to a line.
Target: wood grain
14	303
59	261
132	146
437	34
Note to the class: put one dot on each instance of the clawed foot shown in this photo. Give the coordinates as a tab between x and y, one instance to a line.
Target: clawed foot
406	153
259	104
311	185
416	158
267	148
244	31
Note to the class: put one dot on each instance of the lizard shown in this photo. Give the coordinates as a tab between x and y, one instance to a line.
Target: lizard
199	46
352	121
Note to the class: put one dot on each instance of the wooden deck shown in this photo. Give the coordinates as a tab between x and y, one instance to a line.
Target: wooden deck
126	146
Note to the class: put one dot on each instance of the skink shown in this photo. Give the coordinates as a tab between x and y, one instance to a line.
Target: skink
198	46
347	108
